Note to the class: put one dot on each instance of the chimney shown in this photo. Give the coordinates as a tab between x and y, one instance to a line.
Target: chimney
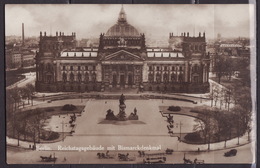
22	34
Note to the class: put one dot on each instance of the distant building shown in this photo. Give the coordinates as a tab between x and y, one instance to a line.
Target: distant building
122	60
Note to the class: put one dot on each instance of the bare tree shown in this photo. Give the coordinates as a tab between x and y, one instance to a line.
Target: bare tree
219	67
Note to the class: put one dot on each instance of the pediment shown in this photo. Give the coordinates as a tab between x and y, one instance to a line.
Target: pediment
123	55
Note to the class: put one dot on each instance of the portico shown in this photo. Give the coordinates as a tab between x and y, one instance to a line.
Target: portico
122	74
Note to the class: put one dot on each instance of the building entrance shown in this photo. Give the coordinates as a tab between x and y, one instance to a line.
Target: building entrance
122	80
114	80
130	80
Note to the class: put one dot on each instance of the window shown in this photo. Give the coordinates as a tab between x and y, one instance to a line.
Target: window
94	67
165	77
79	68
150	68
64	77
86	77
173	77
158	78
180	68
71	68
150	78
86	68
180	78
158	68
165	68
173	68
79	77
94	77
64	68
71	77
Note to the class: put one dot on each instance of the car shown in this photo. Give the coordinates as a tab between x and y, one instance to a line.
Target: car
154	159
232	152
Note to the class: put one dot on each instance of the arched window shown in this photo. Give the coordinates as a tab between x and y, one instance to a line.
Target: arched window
71	77
180	77
158	77
79	77
173	77
94	77
86	78
150	77
64	77
165	78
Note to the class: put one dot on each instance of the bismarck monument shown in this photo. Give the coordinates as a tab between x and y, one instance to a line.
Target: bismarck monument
121	116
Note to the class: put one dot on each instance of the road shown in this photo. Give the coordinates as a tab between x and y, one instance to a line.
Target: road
29	78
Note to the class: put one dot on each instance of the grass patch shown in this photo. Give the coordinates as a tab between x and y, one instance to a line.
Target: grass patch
24	124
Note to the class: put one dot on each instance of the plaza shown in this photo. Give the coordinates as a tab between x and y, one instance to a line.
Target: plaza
151	130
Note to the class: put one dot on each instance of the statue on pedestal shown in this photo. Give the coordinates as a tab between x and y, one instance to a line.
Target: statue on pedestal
122	115
122	100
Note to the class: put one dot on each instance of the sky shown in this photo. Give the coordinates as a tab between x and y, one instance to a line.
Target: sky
156	21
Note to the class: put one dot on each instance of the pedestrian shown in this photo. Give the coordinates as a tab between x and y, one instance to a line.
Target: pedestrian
29	146
64	159
198	149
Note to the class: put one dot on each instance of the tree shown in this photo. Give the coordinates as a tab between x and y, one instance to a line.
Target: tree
238	121
229	67
219	67
244	103
216	94
31	89
207	125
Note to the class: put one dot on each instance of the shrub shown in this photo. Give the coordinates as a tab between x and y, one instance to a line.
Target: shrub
53	136
68	107
193	137
49	109
174	108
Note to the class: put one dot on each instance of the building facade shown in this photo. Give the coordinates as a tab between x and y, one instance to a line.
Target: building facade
122	60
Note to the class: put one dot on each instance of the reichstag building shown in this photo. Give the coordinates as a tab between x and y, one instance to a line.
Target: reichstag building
122	61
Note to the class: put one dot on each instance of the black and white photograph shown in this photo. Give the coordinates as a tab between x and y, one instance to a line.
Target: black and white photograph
130	83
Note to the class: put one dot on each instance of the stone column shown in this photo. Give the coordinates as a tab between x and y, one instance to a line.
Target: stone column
186	72
99	72
118	76
145	73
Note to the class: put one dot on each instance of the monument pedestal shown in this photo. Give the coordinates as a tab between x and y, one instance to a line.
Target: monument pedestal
121	116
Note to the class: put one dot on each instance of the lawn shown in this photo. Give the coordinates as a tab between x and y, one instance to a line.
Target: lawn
25	123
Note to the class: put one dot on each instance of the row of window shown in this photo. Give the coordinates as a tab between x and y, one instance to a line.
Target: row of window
55	46
158	78
87	78
87	67
165	68
197	47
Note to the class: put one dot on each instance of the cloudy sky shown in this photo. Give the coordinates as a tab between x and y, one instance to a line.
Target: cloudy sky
153	20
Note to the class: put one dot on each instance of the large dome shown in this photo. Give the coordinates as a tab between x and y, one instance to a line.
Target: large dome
122	28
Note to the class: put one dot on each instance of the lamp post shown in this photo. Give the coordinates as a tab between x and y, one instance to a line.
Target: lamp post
81	97
180	130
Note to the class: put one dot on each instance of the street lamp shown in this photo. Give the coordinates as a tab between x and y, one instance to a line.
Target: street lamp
180	124
81	97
